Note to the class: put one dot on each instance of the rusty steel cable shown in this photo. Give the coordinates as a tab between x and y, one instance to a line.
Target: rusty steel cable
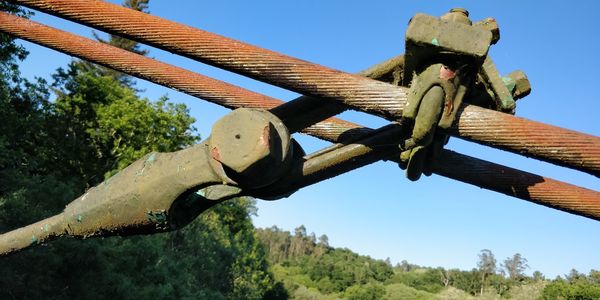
339	159
498	178
375	146
194	84
313	109
533	139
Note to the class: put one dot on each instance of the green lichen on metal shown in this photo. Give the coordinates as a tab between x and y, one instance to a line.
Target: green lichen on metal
509	83
507	102
151	158
158	217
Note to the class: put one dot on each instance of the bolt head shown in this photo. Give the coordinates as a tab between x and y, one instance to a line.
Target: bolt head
251	145
459	15
522	84
242	138
491	25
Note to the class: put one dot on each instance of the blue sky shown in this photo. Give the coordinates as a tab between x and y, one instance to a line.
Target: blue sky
375	210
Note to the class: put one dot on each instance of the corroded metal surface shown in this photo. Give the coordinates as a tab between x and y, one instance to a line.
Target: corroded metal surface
520	184
581	153
568	148
165	191
544	190
252	146
520	82
494	82
145	197
265	65
484	174
180	79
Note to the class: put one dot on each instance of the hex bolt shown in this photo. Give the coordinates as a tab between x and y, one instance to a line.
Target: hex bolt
251	145
522	84
459	15
491	25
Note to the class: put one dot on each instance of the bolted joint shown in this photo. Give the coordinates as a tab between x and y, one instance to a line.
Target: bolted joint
249	147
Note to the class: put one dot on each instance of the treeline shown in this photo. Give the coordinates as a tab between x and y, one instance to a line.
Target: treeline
574	285
301	262
311	269
96	124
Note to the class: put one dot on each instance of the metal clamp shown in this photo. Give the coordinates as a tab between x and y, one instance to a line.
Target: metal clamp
446	63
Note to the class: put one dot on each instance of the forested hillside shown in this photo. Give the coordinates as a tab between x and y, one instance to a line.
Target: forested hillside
310	268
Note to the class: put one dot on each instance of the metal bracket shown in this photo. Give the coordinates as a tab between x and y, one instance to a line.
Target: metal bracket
248	149
447	62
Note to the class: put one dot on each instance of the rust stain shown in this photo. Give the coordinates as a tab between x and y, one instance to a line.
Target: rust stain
550	143
368	95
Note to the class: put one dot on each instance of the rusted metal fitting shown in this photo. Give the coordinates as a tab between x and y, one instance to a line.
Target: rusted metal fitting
443	56
491	25
458	14
494	83
430	38
518	83
250	147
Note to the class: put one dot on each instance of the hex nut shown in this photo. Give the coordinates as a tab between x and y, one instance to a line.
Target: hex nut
458	14
250	144
522	84
491	25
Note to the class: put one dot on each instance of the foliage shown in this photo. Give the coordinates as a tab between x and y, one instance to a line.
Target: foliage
515	267
51	152
487	266
468	281
575	286
112	124
304	293
302	261
120	42
423	279
402	291
339	272
369	291
532	290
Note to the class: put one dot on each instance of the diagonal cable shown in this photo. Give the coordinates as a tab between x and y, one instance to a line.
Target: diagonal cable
525	137
460	167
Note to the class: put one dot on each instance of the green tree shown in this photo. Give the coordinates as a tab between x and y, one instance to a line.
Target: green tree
424	279
576	286
468	281
594	277
322	246
515	267
486	266
538	276
561	289
50	152
370	291
317	265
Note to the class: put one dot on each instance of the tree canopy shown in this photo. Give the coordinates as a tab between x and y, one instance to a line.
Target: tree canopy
52	151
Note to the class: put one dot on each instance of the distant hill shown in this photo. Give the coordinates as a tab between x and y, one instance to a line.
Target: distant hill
309	268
